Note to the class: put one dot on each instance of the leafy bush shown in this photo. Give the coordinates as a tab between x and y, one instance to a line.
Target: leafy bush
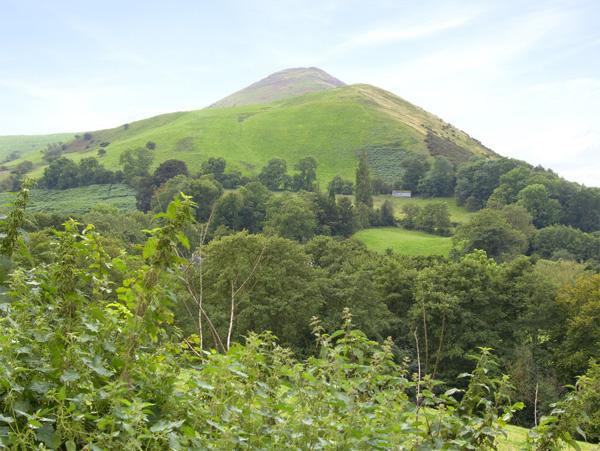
576	414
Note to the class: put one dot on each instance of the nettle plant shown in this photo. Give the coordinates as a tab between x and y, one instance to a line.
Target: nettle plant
90	358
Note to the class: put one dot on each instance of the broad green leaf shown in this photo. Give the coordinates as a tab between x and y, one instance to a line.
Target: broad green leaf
150	248
48	436
69	376
166	426
97	366
183	240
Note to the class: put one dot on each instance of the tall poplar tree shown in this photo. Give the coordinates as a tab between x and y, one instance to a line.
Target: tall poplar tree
364	190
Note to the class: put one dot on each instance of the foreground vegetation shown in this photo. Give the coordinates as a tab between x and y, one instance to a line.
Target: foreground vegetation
96	353
155	326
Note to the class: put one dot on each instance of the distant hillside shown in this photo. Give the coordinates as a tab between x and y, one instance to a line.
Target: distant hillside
282	85
333	125
27	143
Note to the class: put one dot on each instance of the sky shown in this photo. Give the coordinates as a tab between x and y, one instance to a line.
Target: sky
521	76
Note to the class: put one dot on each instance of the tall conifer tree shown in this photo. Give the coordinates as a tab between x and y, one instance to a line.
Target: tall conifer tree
364	190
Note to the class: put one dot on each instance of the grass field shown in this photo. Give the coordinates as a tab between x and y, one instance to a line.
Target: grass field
409	242
332	125
76	200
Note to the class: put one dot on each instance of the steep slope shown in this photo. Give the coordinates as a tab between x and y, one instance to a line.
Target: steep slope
333	125
281	85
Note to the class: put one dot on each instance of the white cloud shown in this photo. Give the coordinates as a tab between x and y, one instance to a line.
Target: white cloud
386	35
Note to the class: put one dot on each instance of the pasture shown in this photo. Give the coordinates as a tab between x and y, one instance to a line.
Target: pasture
402	241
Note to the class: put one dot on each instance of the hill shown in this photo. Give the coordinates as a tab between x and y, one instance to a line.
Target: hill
26	144
333	125
282	85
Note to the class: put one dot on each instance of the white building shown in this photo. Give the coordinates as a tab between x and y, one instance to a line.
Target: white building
401	193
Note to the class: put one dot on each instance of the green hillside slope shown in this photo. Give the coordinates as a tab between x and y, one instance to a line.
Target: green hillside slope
333	125
26	144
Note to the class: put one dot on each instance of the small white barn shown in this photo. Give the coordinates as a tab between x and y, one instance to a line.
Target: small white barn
396	193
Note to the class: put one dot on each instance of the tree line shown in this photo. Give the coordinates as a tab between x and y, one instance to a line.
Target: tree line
478	183
519	215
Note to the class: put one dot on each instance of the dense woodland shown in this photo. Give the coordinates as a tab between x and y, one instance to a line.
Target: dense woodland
233	311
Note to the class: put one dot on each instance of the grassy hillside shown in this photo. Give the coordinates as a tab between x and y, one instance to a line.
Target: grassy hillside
28	144
76	200
332	125
409	242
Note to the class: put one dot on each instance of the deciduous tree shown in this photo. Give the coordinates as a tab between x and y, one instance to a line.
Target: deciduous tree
291	217
274	174
306	177
488	230
136	163
544	210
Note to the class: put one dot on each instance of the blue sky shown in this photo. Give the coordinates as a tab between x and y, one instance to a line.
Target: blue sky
521	76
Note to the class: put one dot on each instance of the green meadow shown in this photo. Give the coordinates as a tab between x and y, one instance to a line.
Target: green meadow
402	241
